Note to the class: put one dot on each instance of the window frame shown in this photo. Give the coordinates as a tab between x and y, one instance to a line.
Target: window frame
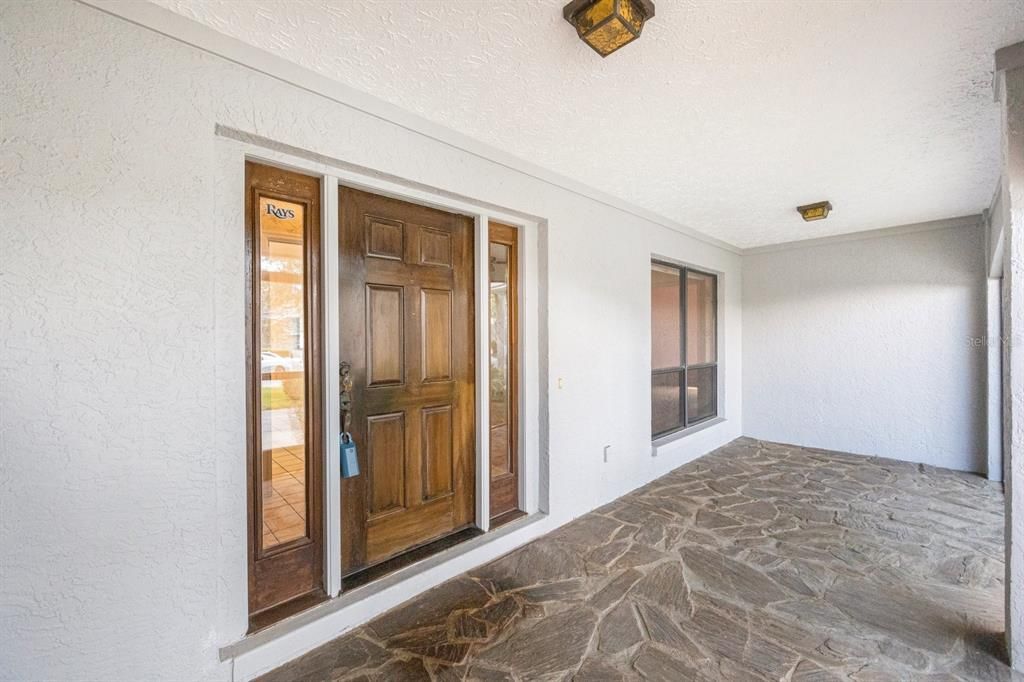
684	368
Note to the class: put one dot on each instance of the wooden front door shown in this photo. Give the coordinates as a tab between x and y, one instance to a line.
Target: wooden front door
406	278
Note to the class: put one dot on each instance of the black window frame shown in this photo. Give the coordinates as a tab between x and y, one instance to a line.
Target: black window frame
684	368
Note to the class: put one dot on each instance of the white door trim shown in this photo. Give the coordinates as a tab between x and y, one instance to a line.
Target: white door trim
332	385
483	360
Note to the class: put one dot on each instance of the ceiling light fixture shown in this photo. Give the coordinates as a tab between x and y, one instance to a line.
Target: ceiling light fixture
607	25
818	211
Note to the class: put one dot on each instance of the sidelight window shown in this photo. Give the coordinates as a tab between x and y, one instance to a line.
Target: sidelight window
285	458
684	347
503	384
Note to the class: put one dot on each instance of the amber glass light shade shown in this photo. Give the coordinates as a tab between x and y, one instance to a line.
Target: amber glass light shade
818	211
607	25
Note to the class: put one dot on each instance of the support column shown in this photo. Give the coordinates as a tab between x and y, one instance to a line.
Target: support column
1010	92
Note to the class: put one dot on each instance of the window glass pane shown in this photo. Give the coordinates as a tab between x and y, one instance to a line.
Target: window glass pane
499	352
665	317
700	394
282	371
700	318
666	404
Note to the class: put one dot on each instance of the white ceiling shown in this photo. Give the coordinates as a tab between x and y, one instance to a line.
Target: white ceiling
724	115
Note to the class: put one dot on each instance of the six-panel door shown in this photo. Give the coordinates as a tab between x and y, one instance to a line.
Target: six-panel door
406	298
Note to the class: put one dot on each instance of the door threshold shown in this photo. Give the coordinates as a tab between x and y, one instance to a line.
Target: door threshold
348	599
267	617
506	517
377	571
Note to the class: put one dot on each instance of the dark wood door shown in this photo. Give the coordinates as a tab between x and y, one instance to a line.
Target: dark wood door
406	278
285	432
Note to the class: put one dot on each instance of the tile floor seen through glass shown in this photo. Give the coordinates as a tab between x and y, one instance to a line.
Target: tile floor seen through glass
284	501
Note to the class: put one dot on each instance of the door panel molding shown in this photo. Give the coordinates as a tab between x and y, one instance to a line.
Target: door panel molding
435	247
385	238
385	331
385	445
436	334
436	450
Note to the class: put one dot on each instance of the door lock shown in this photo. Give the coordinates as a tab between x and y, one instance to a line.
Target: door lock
349	458
345	394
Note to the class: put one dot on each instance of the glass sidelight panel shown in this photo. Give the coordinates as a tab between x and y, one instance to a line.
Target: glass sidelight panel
503	287
499	352
283	413
285	394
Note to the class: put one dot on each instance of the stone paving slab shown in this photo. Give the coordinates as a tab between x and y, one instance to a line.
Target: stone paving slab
758	561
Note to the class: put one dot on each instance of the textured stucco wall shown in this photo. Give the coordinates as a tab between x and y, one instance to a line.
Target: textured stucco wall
122	493
1013	358
866	346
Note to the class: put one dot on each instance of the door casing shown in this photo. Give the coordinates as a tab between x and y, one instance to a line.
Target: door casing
235	148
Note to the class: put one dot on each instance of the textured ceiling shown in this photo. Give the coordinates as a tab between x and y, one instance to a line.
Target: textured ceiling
723	116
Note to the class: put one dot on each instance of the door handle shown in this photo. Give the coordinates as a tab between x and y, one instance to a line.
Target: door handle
345	395
349	459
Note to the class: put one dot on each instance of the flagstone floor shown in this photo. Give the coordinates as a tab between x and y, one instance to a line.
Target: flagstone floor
758	561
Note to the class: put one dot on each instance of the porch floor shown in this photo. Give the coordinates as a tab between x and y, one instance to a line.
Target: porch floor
757	561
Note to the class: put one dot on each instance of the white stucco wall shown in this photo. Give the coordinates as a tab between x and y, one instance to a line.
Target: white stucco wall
866	346
122	494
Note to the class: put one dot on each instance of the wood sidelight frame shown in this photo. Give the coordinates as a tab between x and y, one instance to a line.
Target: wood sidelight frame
290	574
504	435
